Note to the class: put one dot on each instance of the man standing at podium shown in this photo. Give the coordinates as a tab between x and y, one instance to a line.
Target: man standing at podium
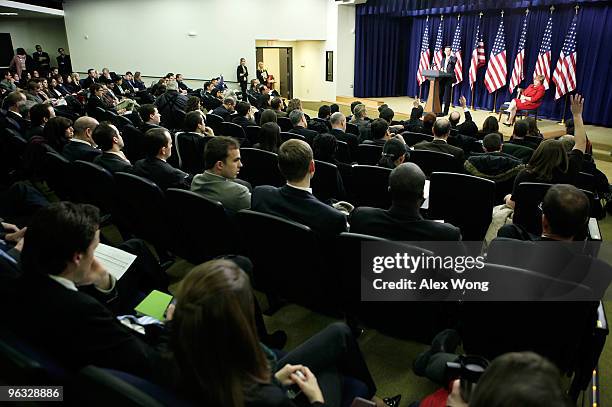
447	65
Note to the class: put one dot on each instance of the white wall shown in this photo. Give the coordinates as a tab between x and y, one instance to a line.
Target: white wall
26	33
345	56
152	36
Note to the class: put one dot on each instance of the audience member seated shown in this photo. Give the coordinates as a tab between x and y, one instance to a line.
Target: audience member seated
128	85
193	103
533	127
338	130
150	117
40	114
171	101
253	92
226	109
518	135
138	81
96	92
550	163
528	99
320	124
82	146
380	132
490	125
109	140
394	153
493	164
8	83
182	85
298	120
51	311
106	76
268	116
415	124
293	104
565	214
468	127
333	108
360	120
277	106
403	221
219	180
221	361
324	148
72	83
158	144
353	105
269	137
428	122
195	123
295	201
34	90
244	115
13	119
441	131
209	100
56	134
386	113
263	99
92	77
602	185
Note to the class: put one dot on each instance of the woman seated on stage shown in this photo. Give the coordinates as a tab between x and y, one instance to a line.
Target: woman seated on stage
529	99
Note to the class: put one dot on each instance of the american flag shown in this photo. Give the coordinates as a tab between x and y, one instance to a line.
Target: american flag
424	60
495	76
565	72
438	51
517	72
543	63
457	52
478	56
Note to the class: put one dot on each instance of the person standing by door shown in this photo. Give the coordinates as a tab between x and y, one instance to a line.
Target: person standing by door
242	73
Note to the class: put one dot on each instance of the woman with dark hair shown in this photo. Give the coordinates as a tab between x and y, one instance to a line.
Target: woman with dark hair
138	81
57	132
490	125
428	121
269	137
221	361
293	104
533	127
394	153
21	62
193	103
267	116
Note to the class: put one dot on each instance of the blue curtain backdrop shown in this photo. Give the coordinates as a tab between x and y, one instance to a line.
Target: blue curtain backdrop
389	33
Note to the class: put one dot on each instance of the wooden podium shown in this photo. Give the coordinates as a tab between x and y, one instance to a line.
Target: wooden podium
433	99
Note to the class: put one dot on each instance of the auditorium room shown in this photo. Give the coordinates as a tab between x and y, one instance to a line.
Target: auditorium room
356	203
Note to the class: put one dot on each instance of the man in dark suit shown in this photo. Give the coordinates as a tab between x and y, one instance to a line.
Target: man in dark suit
182	85
209	100
468	127
320	124
64	65
81	145
244	115
13	119
158	144
41	61
92	77
295	200
109	140
226	109
441	130
40	114
403	220
379	131
150	117
298	120
447	65
49	311
338	130
242	75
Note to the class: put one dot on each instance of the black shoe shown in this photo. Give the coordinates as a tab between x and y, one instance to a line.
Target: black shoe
393	401
276	340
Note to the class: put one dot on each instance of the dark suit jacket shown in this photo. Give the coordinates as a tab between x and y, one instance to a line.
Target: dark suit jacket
94	102
75	328
243	122
242	77
162	173
112	163
351	139
64	66
15	122
299	206
468	127
222	112
451	65
442	147
402	224
87	82
148	126
319	125
76	150
309	135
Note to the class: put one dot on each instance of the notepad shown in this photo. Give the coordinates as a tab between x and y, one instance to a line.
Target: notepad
116	261
154	305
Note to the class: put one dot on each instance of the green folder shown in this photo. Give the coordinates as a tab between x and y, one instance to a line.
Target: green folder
154	305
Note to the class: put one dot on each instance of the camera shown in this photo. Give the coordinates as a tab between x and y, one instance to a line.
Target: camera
468	370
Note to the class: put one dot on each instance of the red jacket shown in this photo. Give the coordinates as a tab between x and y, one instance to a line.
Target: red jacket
536	93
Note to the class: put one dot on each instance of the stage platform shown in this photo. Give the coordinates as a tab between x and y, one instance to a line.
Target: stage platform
601	137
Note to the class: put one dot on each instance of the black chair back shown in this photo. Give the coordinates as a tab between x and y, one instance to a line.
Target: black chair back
121	121
133	139
99	113
284	123
202	227
57	172
260	167
281	266
586	181
465	201
190	150
252	133
353	129
284	136
527	212
142	206
214	121
343	153
368	154
232	130
327	183
430	161
96	186
412	138
371	186
15	149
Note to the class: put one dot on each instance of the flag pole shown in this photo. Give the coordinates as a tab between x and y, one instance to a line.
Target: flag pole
564	108
474	85
494	102
452	101
473	98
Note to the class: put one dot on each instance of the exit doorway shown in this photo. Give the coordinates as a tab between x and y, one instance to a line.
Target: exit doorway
279	63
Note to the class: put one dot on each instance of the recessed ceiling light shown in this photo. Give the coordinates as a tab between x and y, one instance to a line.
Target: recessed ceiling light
9	14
